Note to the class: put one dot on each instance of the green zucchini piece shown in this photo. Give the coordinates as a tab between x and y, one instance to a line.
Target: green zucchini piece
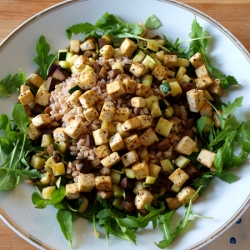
139	56
147	80
165	88
75	88
164	104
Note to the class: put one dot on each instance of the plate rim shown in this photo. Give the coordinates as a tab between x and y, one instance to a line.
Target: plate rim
35	242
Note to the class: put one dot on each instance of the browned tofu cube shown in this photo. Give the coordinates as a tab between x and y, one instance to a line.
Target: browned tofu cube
26	98
75	46
102	151
148	137
103	183
41	120
132	142
129	86
140	170
186	145
86	182
143	90
179	177
74	129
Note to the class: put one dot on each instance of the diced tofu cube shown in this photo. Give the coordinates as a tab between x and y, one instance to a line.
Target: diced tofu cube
115	89
128	47
143	90
103	183
88	98
160	72
102	151
138	102
72	191
154	170
130	124
23	88
80	62
129	86
216	88
121	114
116	142
90	114
132	142
26	98
60	135
33	132
89	44
137	69
163	127
185	195
107	112
179	177
196	60
74	128
87	80
203	82
110	160
41	120
100	136
42	98
86	182
144	197
129	158
186	146
145	121
74	46
201	71
206	109
170	61
206	158
140	170
107	51
195	100
173	203
73	100
58	169
148	137
35	80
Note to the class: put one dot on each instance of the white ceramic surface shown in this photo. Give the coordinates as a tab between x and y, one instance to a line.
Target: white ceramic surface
224	202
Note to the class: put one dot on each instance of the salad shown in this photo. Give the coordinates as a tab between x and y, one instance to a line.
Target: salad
121	129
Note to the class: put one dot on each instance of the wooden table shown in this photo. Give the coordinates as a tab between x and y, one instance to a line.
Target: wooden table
234	15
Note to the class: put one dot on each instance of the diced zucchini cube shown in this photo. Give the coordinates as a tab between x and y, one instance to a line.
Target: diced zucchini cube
47	192
37	162
163	127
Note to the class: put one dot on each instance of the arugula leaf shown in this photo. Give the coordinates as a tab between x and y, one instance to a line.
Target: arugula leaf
11	84
229	178
203	181
43	59
112	25
64	218
21	118
152	22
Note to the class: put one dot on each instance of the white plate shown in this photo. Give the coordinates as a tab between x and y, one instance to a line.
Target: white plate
222	201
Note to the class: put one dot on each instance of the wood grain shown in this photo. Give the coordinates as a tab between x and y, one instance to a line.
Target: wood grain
234	15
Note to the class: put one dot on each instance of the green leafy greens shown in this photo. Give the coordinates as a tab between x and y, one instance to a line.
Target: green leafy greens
16	146
43	58
11	84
